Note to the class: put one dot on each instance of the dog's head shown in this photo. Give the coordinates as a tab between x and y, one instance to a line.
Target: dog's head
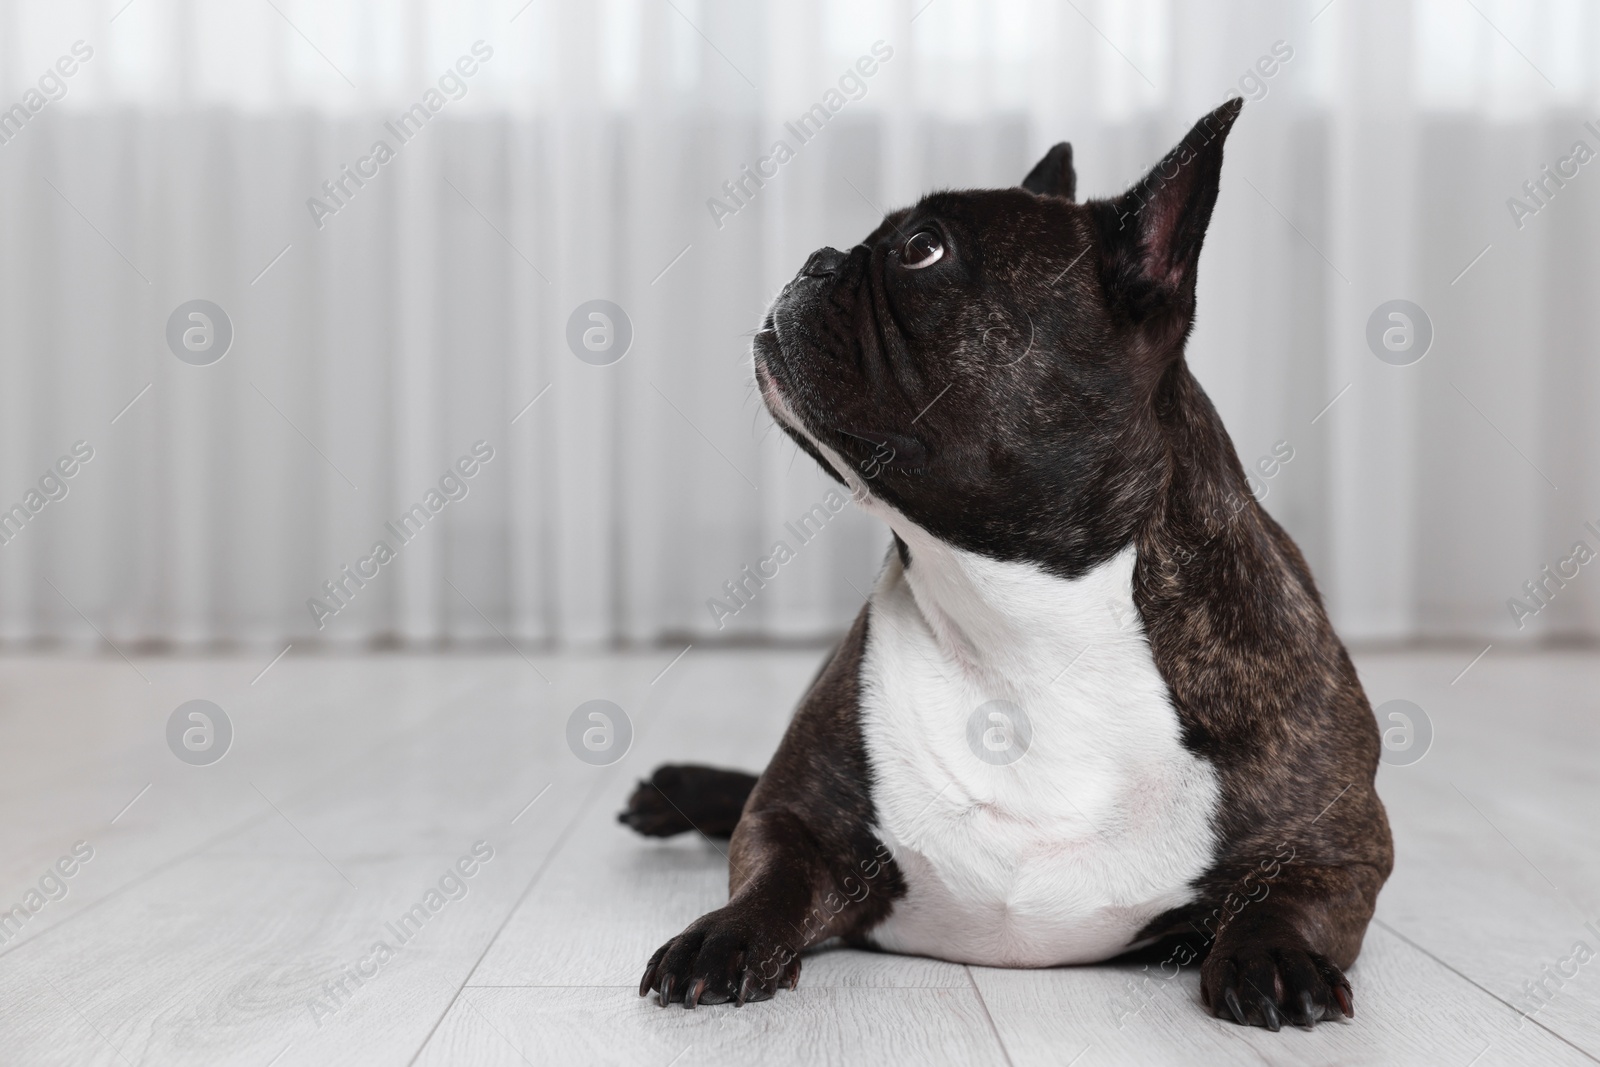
995	365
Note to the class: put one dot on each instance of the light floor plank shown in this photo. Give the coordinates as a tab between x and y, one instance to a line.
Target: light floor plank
215	957
1499	859
85	738
218	905
831	1025
1408	1011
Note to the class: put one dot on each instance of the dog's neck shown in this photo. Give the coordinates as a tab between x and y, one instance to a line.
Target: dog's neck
1001	621
993	619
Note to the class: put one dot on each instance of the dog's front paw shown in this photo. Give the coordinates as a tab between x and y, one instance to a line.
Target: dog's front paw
722	956
1262	984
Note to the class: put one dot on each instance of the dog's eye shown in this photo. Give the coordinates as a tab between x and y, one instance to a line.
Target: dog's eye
922	249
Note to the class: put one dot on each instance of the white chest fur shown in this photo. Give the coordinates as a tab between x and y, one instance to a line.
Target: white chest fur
1065	854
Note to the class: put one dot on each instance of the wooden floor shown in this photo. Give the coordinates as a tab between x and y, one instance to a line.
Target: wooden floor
217	907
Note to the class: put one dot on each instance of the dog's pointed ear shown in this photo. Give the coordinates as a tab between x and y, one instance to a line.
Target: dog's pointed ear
1150	236
1053	175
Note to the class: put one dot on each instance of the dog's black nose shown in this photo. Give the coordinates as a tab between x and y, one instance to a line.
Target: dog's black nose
823	262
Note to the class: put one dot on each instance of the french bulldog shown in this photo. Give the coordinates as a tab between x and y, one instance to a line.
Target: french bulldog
1093	704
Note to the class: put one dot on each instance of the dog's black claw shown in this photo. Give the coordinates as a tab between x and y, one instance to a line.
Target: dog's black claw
1308	1012
1232	1000
696	989
648	981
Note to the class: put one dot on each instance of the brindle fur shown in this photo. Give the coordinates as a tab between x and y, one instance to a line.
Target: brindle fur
802	865
1062	462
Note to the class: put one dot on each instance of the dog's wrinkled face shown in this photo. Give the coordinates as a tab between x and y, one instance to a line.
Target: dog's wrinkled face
956	363
990	364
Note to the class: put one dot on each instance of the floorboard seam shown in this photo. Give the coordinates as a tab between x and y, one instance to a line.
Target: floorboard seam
583	809
182	857
1487	992
237	829
561	840
993	1029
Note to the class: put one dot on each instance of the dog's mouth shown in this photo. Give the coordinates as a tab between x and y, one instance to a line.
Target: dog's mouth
783	388
768	351
841	446
794	407
783	400
765	352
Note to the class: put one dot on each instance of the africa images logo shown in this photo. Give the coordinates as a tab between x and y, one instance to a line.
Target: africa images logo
199	332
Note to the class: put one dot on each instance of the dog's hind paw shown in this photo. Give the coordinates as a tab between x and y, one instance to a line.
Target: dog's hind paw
681	797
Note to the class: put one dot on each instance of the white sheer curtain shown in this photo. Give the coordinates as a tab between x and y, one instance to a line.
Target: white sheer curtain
1374	162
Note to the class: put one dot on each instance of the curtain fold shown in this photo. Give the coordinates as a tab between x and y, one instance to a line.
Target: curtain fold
427	309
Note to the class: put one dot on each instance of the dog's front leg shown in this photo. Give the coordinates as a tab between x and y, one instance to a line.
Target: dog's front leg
1282	956
788	890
